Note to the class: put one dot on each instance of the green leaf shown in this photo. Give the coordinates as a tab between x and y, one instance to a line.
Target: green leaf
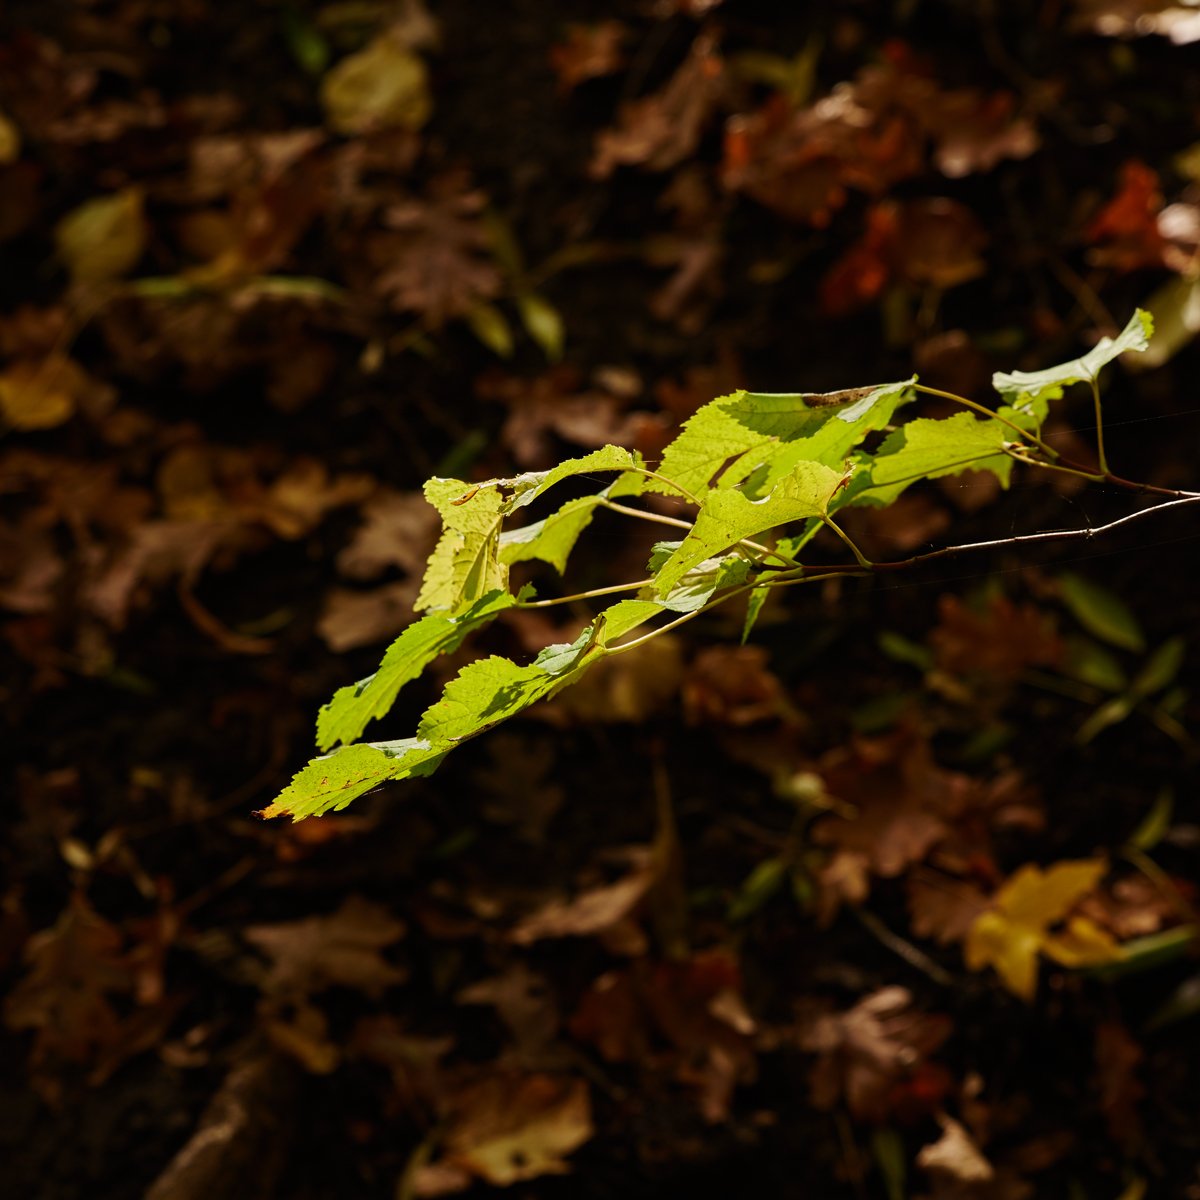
754	606
543	323
491	327
929	448
353	707
1100	612
1160	669
699	585
1029	392
727	516
1154	825
727	439
465	563
1093	664
552	539
528	487
331	782
482	694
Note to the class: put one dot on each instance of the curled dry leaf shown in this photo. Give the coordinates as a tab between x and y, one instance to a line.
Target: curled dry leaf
662	129
864	1055
732	686
434	255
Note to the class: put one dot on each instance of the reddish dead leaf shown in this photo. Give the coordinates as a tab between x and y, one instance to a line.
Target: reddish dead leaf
901	799
414	1062
1133	906
1124	233
931	242
664	128
999	643
588	52
871	133
731	686
506	1129
865	1054
344	949
687	1019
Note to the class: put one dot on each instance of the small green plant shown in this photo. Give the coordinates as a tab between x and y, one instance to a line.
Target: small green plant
761	474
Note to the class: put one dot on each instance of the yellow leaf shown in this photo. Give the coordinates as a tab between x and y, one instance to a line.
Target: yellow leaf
103	238
384	86
1011	934
40	395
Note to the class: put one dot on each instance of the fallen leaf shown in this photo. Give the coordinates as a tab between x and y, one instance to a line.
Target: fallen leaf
104	238
1000	642
588	52
664	128
384	85
1012	933
954	1154
1125	233
864	1054
343	949
595	911
505	1130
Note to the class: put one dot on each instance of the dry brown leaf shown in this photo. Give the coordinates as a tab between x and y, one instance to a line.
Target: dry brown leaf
955	1155
353	618
343	949
901	799
664	128
385	85
595	911
943	908
588	52
398	530
504	1130
864	1054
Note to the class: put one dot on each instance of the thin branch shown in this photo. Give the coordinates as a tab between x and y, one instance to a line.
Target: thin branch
1027	539
604	591
1099	427
658	518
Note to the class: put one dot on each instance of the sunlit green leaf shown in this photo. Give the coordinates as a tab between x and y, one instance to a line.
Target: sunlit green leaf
1029	392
